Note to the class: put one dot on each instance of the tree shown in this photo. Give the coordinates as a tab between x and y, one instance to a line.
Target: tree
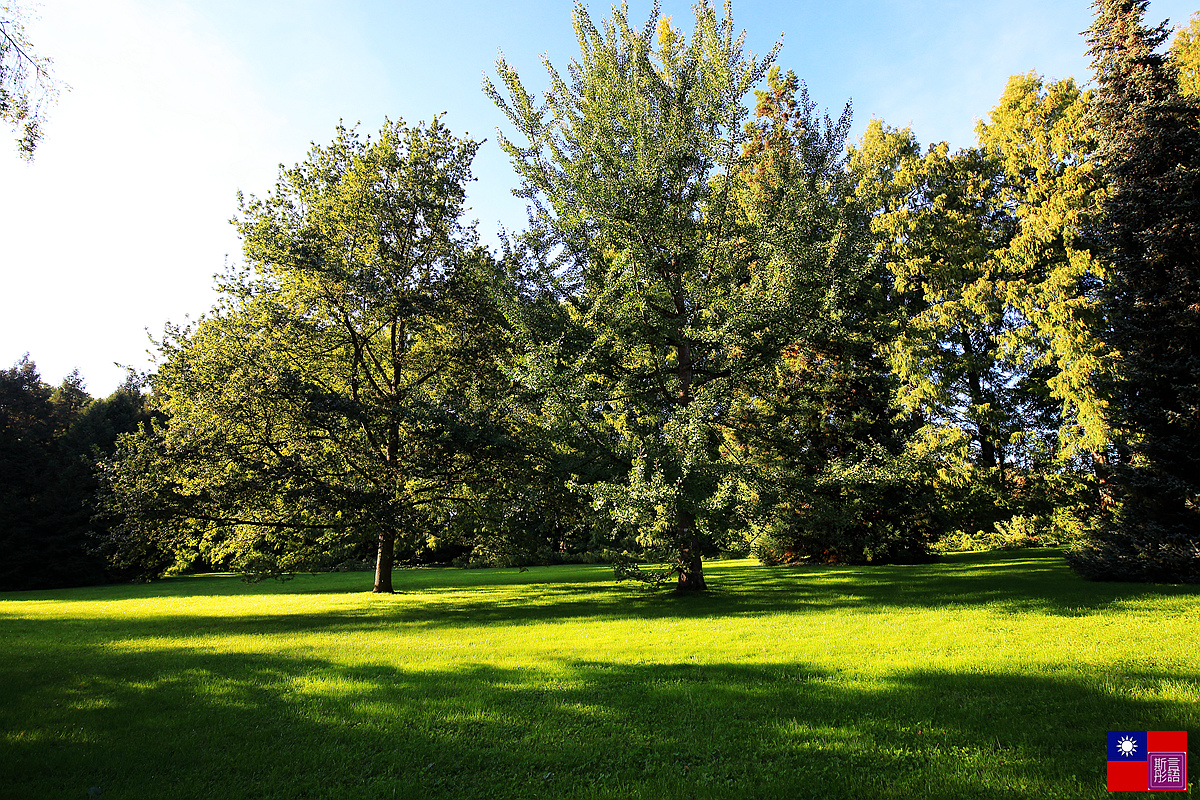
1038	134
26	468
26	84
340	392
941	222
999	283
831	480
1150	238
1185	54
680	303
50	440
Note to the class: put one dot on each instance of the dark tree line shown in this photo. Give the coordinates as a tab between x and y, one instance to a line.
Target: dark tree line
50	441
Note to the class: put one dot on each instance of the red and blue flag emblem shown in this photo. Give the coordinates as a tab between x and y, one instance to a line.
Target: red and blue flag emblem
1142	761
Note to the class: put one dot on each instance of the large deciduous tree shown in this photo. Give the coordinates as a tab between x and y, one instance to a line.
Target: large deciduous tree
998	285
941	223
684	294
339	393
1150	238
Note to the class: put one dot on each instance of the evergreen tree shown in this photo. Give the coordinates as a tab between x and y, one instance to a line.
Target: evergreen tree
832	479
1150	236
1038	134
998	288
50	441
26	472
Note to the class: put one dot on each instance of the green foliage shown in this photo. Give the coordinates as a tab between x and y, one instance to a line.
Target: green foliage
1150	237
877	508
1035	509
941	225
50	440
1000	351
629	177
26	84
719	302
1185	56
1039	134
828	477
718	332
341	392
1013	533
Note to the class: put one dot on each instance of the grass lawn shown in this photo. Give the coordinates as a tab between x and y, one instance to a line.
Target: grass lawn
986	675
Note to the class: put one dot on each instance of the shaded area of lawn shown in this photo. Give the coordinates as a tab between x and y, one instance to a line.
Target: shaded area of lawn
181	724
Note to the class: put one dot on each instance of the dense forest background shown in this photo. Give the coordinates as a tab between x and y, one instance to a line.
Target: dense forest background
51	440
726	329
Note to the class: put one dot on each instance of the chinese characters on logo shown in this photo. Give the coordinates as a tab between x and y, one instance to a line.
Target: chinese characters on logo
1167	771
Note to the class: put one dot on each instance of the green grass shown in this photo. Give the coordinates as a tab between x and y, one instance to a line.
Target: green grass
986	675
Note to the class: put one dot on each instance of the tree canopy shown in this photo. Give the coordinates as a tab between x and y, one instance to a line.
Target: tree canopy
50	441
334	397
700	258
1185	53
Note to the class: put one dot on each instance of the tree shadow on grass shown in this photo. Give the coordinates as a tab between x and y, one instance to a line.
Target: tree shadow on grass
1016	582
1028	581
406	579
175	723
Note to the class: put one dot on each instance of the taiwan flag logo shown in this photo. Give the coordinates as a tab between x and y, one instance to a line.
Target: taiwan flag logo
1143	761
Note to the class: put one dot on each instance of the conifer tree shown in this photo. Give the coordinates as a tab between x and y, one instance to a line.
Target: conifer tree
1150	237
833	482
50	439
1038	134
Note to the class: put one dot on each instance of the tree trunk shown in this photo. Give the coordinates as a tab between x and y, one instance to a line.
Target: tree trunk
987	447
384	558
987	450
386	555
1103	473
691	569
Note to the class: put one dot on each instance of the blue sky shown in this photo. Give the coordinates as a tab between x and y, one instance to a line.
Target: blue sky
123	218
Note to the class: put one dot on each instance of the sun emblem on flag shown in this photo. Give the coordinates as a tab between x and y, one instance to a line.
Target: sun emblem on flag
1126	745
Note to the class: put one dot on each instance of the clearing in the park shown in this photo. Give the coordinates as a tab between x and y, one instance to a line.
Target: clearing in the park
985	675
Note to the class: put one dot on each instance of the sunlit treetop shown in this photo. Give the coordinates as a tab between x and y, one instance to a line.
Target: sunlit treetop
1185	52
